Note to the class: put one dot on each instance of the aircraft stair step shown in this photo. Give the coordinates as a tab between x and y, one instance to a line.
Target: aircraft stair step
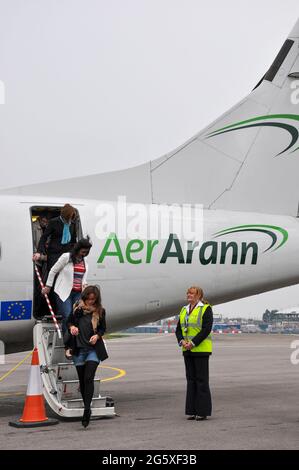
99	402
61	387
64	372
58	354
48	318
70	389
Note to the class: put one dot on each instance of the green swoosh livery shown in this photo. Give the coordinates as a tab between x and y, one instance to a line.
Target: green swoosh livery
253	122
267	229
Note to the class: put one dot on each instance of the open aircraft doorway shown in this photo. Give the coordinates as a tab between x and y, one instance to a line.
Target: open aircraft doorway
37	214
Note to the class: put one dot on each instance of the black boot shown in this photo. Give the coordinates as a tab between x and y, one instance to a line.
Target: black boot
86	417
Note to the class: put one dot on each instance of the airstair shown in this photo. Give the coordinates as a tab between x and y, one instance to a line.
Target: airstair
59	377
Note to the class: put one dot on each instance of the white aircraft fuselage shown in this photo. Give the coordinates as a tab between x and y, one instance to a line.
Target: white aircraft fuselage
143	280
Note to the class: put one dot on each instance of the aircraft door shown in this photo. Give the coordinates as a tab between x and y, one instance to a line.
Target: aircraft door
15	261
40	217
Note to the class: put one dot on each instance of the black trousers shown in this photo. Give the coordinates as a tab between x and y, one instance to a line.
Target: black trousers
39	302
86	376
198	399
51	259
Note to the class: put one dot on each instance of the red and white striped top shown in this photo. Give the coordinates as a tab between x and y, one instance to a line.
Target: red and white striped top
79	271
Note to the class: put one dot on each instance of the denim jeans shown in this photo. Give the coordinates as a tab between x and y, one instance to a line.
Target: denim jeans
65	308
84	356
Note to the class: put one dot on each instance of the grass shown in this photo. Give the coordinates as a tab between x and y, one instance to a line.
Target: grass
116	335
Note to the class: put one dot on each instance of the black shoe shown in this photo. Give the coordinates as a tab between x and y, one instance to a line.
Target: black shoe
193	417
68	354
200	418
86	417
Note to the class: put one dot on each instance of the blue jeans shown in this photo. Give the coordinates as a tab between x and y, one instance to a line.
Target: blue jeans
84	356
65	308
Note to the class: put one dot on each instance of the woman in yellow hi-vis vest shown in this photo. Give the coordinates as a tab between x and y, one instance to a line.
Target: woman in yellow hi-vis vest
194	336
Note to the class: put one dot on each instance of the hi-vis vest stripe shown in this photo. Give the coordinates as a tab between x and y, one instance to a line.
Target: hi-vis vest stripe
192	326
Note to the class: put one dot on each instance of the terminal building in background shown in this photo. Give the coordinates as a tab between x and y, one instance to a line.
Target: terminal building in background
273	322
282	321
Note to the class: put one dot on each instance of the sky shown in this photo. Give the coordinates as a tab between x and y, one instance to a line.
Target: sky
93	86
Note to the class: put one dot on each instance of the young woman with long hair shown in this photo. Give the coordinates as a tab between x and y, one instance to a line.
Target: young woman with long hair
87	325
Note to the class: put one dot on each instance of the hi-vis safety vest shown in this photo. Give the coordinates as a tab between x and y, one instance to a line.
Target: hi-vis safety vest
192	326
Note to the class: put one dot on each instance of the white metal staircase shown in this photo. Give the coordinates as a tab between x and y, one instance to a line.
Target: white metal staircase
59	377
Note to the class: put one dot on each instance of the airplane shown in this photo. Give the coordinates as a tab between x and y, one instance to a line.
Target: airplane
242	168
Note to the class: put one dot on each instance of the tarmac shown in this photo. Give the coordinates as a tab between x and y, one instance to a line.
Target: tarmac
254	385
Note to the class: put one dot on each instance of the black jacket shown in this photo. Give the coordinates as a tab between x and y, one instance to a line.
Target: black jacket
54	230
207	324
70	340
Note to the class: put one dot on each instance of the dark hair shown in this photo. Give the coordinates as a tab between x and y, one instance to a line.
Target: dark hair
83	243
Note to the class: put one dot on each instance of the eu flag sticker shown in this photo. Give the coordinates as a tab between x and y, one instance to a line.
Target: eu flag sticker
16	310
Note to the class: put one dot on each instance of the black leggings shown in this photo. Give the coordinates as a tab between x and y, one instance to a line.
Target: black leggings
86	375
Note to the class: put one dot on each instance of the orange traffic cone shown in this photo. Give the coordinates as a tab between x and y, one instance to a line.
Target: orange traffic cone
34	413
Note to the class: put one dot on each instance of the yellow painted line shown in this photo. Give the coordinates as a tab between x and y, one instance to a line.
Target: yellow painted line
12	394
121	373
15	368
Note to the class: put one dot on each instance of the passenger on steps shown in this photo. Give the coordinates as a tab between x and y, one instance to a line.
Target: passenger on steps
86	327
61	233
71	271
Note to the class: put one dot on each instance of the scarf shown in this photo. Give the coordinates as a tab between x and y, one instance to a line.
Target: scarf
95	317
66	234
